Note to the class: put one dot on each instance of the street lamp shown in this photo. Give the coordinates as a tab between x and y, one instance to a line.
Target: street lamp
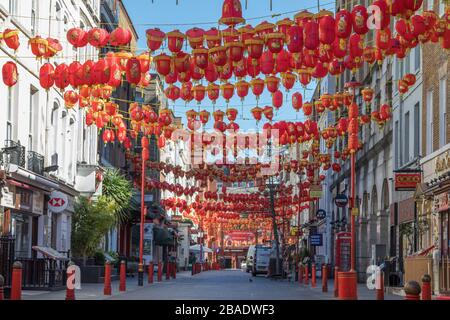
145	155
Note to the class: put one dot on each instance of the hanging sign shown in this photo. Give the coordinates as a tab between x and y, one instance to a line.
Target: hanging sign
321	214
316	240
58	202
407	181
315	191
341	200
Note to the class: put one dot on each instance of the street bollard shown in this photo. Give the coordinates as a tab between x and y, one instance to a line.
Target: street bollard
324	278
168	270
300	274
107	290
313	275
123	277
2	283
306	275
426	287
379	285
336	282
70	290
193	269
174	270
16	282
151	270
160	271
412	290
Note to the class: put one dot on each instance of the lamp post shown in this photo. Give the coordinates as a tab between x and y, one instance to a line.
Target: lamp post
145	157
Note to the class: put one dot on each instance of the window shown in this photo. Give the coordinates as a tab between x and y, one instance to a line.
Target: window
416	130
429	124
397	145
33	16
417	58
442	112
406	157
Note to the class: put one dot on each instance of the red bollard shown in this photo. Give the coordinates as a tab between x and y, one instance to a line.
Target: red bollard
300	274
174	270
123	277
151	271
324	278
107	291
2	283
70	290
412	290
336	282
426	287
348	285
160	271
306	275
16	282
168	267
313	275
380	285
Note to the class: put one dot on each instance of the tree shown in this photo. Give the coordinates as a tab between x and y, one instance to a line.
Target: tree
117	189
91	220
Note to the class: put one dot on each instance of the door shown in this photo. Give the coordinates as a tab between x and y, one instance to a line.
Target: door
34	235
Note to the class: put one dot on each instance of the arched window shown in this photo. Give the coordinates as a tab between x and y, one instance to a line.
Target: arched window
374	204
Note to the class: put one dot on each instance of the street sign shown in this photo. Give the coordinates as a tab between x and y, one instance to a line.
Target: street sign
341	200
316	240
407	181
58	202
321	214
315	191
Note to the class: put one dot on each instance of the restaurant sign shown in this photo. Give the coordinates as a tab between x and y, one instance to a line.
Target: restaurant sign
407	181
315	191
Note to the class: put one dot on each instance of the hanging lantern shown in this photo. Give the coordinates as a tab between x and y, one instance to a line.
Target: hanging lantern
336	67
227	91
213	91
98	37
257	87
162	63
230	34
246	32
268	113
288	80
70	99
204	117
385	112
219	56
242	89
47	76
145	60
240	69
318	105
115	79
195	37
367	94
10	74
175	40
172	93
307	108
327	24
304	76
62	76
275	42
232	114
155	38
359	19
218	115
77	37
277	99
297	101
369	55
213	38
326	100
186	92
120	37
383	38
257	113
410	79
385	13
200	56
235	51
272	83
343	23
311	35
38	46
11	38
232	13
356	45
211	73
255	48
403	86
220	126
199	93
321	70
264	28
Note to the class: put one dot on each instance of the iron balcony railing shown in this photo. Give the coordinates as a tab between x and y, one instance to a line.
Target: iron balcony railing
35	162
12	153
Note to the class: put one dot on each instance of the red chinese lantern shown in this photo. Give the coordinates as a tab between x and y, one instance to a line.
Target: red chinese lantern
219	56
255	48
294	39
195	37
385	13
232	13
47	76
246	32
272	83
11	38
275	42
218	115
120	37
257	87
98	37
213	38
242	89
410	79
288	80
257	113
367	94
211	73
232	114
268	113
267	62
340	47
115	79
264	28
186	92
38	46
77	37
213	91
235	51
383	38
200	57
199	93
297	101
307	108
283	61
327	33
62	76
343	24
227	91
304	76
172	93
369	55
10	74
155	38
277	99
162	63
204	117
311	35
70	99
356	45
359	19
220	126
175	40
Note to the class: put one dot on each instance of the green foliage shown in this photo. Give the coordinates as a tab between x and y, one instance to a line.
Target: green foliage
118	190
99	257
115	256
91	220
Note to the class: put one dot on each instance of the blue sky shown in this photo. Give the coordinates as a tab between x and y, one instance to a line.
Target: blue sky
165	14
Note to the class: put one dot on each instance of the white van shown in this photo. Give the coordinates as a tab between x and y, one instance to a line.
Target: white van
258	258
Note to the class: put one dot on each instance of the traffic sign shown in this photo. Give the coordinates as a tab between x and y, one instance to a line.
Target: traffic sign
341	200
316	240
321	214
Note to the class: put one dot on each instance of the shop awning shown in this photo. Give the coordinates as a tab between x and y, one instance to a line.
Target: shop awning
197	248
51	253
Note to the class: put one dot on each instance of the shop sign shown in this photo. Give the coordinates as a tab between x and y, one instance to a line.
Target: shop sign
7	198
407	181
442	163
315	191
442	202
38	203
58	202
24	199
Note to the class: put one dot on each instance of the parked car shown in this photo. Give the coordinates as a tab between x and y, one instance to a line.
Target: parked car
258	258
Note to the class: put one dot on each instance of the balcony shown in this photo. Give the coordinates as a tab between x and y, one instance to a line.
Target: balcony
12	153
35	162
